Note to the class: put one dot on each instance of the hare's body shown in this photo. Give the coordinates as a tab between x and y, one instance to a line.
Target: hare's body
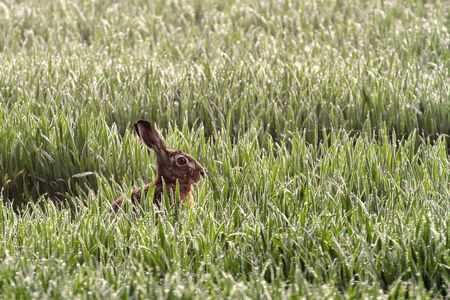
172	167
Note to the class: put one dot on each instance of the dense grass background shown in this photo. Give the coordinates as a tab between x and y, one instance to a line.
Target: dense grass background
323	126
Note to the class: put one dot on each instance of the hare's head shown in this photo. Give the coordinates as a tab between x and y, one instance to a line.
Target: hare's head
172	165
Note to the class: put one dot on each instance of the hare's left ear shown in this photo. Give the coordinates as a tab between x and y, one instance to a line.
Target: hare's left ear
151	138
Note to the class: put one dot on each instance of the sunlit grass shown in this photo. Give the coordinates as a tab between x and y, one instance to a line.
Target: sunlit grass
322	125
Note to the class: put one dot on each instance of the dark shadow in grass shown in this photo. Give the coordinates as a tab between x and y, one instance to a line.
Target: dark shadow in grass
27	188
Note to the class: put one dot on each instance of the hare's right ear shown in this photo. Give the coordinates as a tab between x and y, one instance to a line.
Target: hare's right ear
151	138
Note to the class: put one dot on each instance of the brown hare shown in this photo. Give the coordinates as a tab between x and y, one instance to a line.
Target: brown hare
172	166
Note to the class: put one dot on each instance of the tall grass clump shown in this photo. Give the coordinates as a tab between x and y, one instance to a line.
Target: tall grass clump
323	126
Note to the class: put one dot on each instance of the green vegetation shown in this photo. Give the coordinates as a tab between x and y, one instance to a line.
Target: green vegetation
322	124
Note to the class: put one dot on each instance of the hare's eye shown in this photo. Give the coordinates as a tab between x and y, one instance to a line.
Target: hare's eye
181	161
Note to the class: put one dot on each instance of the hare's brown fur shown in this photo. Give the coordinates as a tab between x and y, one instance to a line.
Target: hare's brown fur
172	167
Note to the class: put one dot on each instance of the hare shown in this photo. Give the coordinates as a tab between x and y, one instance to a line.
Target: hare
172	166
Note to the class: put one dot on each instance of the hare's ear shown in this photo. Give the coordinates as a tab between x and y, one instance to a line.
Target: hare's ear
151	138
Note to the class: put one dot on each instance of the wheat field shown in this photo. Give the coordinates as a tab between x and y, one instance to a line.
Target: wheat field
323	126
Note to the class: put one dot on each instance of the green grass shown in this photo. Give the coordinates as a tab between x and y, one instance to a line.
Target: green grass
323	126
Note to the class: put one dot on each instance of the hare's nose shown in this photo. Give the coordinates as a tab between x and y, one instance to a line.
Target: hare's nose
202	173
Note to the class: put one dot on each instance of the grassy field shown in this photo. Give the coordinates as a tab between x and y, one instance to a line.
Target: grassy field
323	126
